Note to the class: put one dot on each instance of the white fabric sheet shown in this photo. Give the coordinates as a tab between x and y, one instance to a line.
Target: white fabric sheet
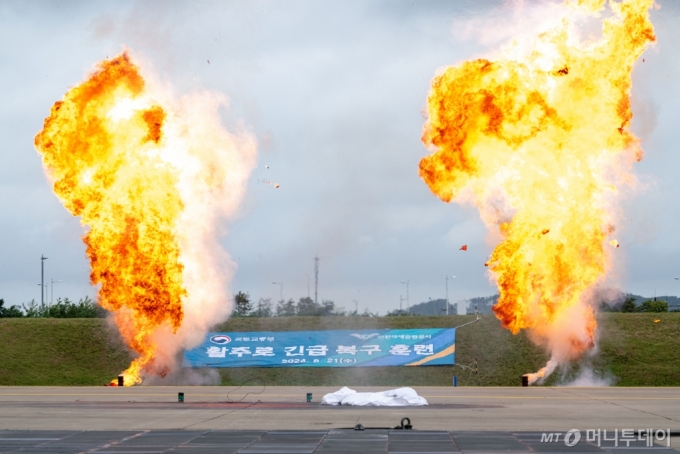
400	397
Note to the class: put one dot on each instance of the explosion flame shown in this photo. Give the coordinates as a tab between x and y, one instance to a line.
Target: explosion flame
539	141
150	177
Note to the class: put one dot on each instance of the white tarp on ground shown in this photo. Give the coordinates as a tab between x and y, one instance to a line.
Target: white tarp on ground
400	397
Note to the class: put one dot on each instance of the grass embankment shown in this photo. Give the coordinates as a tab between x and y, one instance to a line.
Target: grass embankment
632	348
59	352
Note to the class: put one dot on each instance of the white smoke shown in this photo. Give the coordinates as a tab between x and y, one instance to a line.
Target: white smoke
587	377
213	165
187	377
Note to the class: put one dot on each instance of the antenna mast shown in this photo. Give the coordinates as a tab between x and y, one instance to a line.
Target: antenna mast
316	281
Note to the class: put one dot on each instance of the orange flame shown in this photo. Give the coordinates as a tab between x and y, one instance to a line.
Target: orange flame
540	138
130	166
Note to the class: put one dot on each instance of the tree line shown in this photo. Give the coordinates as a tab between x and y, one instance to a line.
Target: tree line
305	306
64	308
630	305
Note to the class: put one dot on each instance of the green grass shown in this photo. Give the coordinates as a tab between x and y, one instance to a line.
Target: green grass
59	352
502	357
632	348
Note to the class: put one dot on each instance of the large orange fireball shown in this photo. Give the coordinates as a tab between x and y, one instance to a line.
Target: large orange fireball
539	140
149	177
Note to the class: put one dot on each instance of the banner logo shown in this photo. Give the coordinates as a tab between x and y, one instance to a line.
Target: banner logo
365	337
221	339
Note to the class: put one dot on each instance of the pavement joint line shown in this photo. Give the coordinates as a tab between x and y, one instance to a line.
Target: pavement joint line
218	416
622	406
253	442
197	436
116	442
454	441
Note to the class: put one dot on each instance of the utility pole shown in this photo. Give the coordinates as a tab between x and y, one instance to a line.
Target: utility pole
401	298
356	307
408	304
52	295
42	280
316	281
281	290
308	293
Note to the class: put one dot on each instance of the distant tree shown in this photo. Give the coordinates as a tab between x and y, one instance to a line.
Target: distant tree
368	313
65	308
330	308
285	308
628	305
306	306
91	309
339	311
653	306
243	305
264	308
9	312
397	313
34	310
327	307
84	308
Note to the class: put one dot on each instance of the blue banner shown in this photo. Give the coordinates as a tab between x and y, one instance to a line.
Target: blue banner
341	348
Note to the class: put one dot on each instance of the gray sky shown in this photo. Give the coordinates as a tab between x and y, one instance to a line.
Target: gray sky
334	92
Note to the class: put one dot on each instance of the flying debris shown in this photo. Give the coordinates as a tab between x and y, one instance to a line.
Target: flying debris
544	231
208	61
614	243
276	185
463	248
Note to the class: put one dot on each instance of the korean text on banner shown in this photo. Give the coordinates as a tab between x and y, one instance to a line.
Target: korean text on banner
340	348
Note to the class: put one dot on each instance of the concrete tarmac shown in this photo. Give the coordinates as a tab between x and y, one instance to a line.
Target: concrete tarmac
284	408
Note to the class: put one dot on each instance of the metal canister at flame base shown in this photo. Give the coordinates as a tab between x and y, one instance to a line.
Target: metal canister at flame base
525	380
121	380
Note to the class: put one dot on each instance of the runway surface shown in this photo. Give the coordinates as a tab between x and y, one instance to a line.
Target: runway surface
335	441
514	414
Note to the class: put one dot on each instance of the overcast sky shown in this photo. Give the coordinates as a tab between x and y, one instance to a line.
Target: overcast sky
334	91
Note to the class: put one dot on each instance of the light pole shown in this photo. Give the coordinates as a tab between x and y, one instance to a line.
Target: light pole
408	305
42	279
52	294
281	291
447	292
